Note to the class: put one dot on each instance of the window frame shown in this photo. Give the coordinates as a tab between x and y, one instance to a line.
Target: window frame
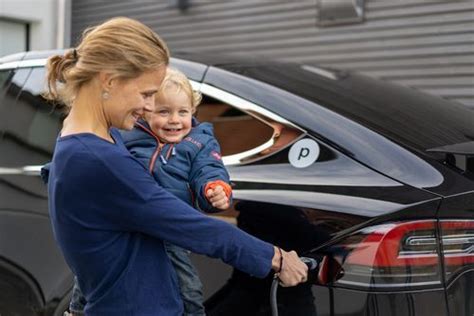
269	118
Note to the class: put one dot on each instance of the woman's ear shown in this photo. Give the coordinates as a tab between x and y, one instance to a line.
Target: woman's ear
107	80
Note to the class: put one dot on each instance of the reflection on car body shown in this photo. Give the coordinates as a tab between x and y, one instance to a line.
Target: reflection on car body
388	194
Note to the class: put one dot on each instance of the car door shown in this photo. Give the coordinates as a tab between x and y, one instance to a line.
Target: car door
29	126
296	189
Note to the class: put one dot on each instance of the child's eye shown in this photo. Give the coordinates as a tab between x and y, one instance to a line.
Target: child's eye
184	112
163	112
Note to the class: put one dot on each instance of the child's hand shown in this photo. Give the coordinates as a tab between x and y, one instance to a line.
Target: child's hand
218	198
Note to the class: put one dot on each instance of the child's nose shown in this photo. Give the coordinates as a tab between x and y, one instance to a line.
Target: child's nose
174	117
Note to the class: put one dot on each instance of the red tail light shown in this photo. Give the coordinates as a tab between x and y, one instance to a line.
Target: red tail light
457	239
406	254
394	255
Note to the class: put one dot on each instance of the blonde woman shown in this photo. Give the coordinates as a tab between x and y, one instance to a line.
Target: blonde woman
184	158
109	216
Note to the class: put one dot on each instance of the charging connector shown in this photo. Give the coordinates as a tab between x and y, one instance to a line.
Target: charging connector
312	265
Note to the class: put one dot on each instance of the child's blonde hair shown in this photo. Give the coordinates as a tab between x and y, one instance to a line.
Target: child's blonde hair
179	80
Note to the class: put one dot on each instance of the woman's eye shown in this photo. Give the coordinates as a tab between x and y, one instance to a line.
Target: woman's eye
147	95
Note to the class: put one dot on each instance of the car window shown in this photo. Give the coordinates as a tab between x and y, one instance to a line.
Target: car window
5	81
5	77
10	87
11	84
29	123
246	131
235	130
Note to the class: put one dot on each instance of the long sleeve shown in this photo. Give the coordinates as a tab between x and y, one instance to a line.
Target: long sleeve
110	219
207	166
137	203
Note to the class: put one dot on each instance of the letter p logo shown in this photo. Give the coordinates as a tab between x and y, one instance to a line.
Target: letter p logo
303	153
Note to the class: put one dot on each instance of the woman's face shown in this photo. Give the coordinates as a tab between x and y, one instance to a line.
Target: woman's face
129	99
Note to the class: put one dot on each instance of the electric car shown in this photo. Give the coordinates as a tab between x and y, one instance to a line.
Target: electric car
372	180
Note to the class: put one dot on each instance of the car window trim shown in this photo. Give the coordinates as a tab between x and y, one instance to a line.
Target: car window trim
24	64
265	116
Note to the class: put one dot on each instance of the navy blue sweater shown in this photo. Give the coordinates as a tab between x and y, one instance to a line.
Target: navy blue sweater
110	218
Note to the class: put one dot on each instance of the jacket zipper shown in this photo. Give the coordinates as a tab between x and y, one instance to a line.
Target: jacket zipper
157	150
154	156
170	150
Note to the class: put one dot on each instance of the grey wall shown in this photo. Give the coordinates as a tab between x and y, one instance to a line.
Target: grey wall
428	45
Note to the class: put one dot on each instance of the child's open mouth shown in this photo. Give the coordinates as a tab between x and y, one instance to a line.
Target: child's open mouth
172	130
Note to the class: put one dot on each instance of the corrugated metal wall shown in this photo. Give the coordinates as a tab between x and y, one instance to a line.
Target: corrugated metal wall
428	45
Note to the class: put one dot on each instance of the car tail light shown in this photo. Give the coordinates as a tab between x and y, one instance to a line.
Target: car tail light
394	255
457	239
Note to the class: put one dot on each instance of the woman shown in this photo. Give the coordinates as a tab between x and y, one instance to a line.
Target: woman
109	216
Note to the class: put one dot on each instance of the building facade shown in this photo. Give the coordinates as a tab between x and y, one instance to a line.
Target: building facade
426	45
34	25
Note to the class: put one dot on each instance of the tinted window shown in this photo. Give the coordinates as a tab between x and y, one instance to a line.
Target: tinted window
406	116
29	124
5	77
10	84
5	80
235	130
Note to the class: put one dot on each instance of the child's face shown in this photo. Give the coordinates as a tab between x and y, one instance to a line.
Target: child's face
171	119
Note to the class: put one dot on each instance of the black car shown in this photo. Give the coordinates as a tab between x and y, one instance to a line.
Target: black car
373	180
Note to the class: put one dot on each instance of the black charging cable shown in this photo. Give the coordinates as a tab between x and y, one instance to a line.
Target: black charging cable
312	265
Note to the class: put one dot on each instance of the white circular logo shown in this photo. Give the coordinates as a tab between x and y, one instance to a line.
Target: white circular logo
303	153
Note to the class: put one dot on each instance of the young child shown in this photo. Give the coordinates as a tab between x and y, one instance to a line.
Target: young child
184	157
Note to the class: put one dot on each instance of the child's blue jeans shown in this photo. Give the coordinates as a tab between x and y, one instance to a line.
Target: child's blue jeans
189	284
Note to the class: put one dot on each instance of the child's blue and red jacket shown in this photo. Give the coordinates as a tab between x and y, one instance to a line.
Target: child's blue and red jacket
184	168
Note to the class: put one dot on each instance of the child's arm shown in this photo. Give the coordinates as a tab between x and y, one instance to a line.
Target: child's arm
209	179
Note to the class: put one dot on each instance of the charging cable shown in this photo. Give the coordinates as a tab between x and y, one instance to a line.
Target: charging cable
312	265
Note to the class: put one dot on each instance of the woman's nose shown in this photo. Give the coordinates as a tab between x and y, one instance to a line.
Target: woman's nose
148	106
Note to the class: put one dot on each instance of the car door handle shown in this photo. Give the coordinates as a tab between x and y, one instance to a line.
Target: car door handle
25	170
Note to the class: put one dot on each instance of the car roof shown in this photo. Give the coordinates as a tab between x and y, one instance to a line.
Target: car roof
218	60
409	117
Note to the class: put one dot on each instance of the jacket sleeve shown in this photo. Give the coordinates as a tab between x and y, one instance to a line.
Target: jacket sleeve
207	166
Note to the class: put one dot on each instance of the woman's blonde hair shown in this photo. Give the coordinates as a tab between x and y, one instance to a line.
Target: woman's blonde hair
122	47
178	80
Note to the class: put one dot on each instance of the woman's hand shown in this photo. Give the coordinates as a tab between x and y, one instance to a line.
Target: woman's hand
293	271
